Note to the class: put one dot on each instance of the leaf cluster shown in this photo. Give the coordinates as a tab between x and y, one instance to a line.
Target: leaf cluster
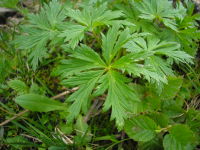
131	55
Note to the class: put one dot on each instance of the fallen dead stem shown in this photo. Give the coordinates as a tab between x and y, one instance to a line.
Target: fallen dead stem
25	111
31	137
95	106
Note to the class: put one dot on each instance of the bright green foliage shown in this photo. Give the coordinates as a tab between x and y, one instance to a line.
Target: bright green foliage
107	74
125	64
42	28
187	32
160	11
160	18
38	103
156	46
87	20
119	93
153	47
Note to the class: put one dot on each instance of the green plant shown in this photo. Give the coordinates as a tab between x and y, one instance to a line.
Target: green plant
43	27
89	71
130	61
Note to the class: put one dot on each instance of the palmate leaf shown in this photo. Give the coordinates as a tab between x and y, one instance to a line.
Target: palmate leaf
90	72
120	95
187	33
151	43
87	20
49	17
42	28
130	64
160	11
92	17
132	15
105	73
152	48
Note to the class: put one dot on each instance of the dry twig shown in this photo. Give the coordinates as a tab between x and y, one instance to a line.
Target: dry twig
31	137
